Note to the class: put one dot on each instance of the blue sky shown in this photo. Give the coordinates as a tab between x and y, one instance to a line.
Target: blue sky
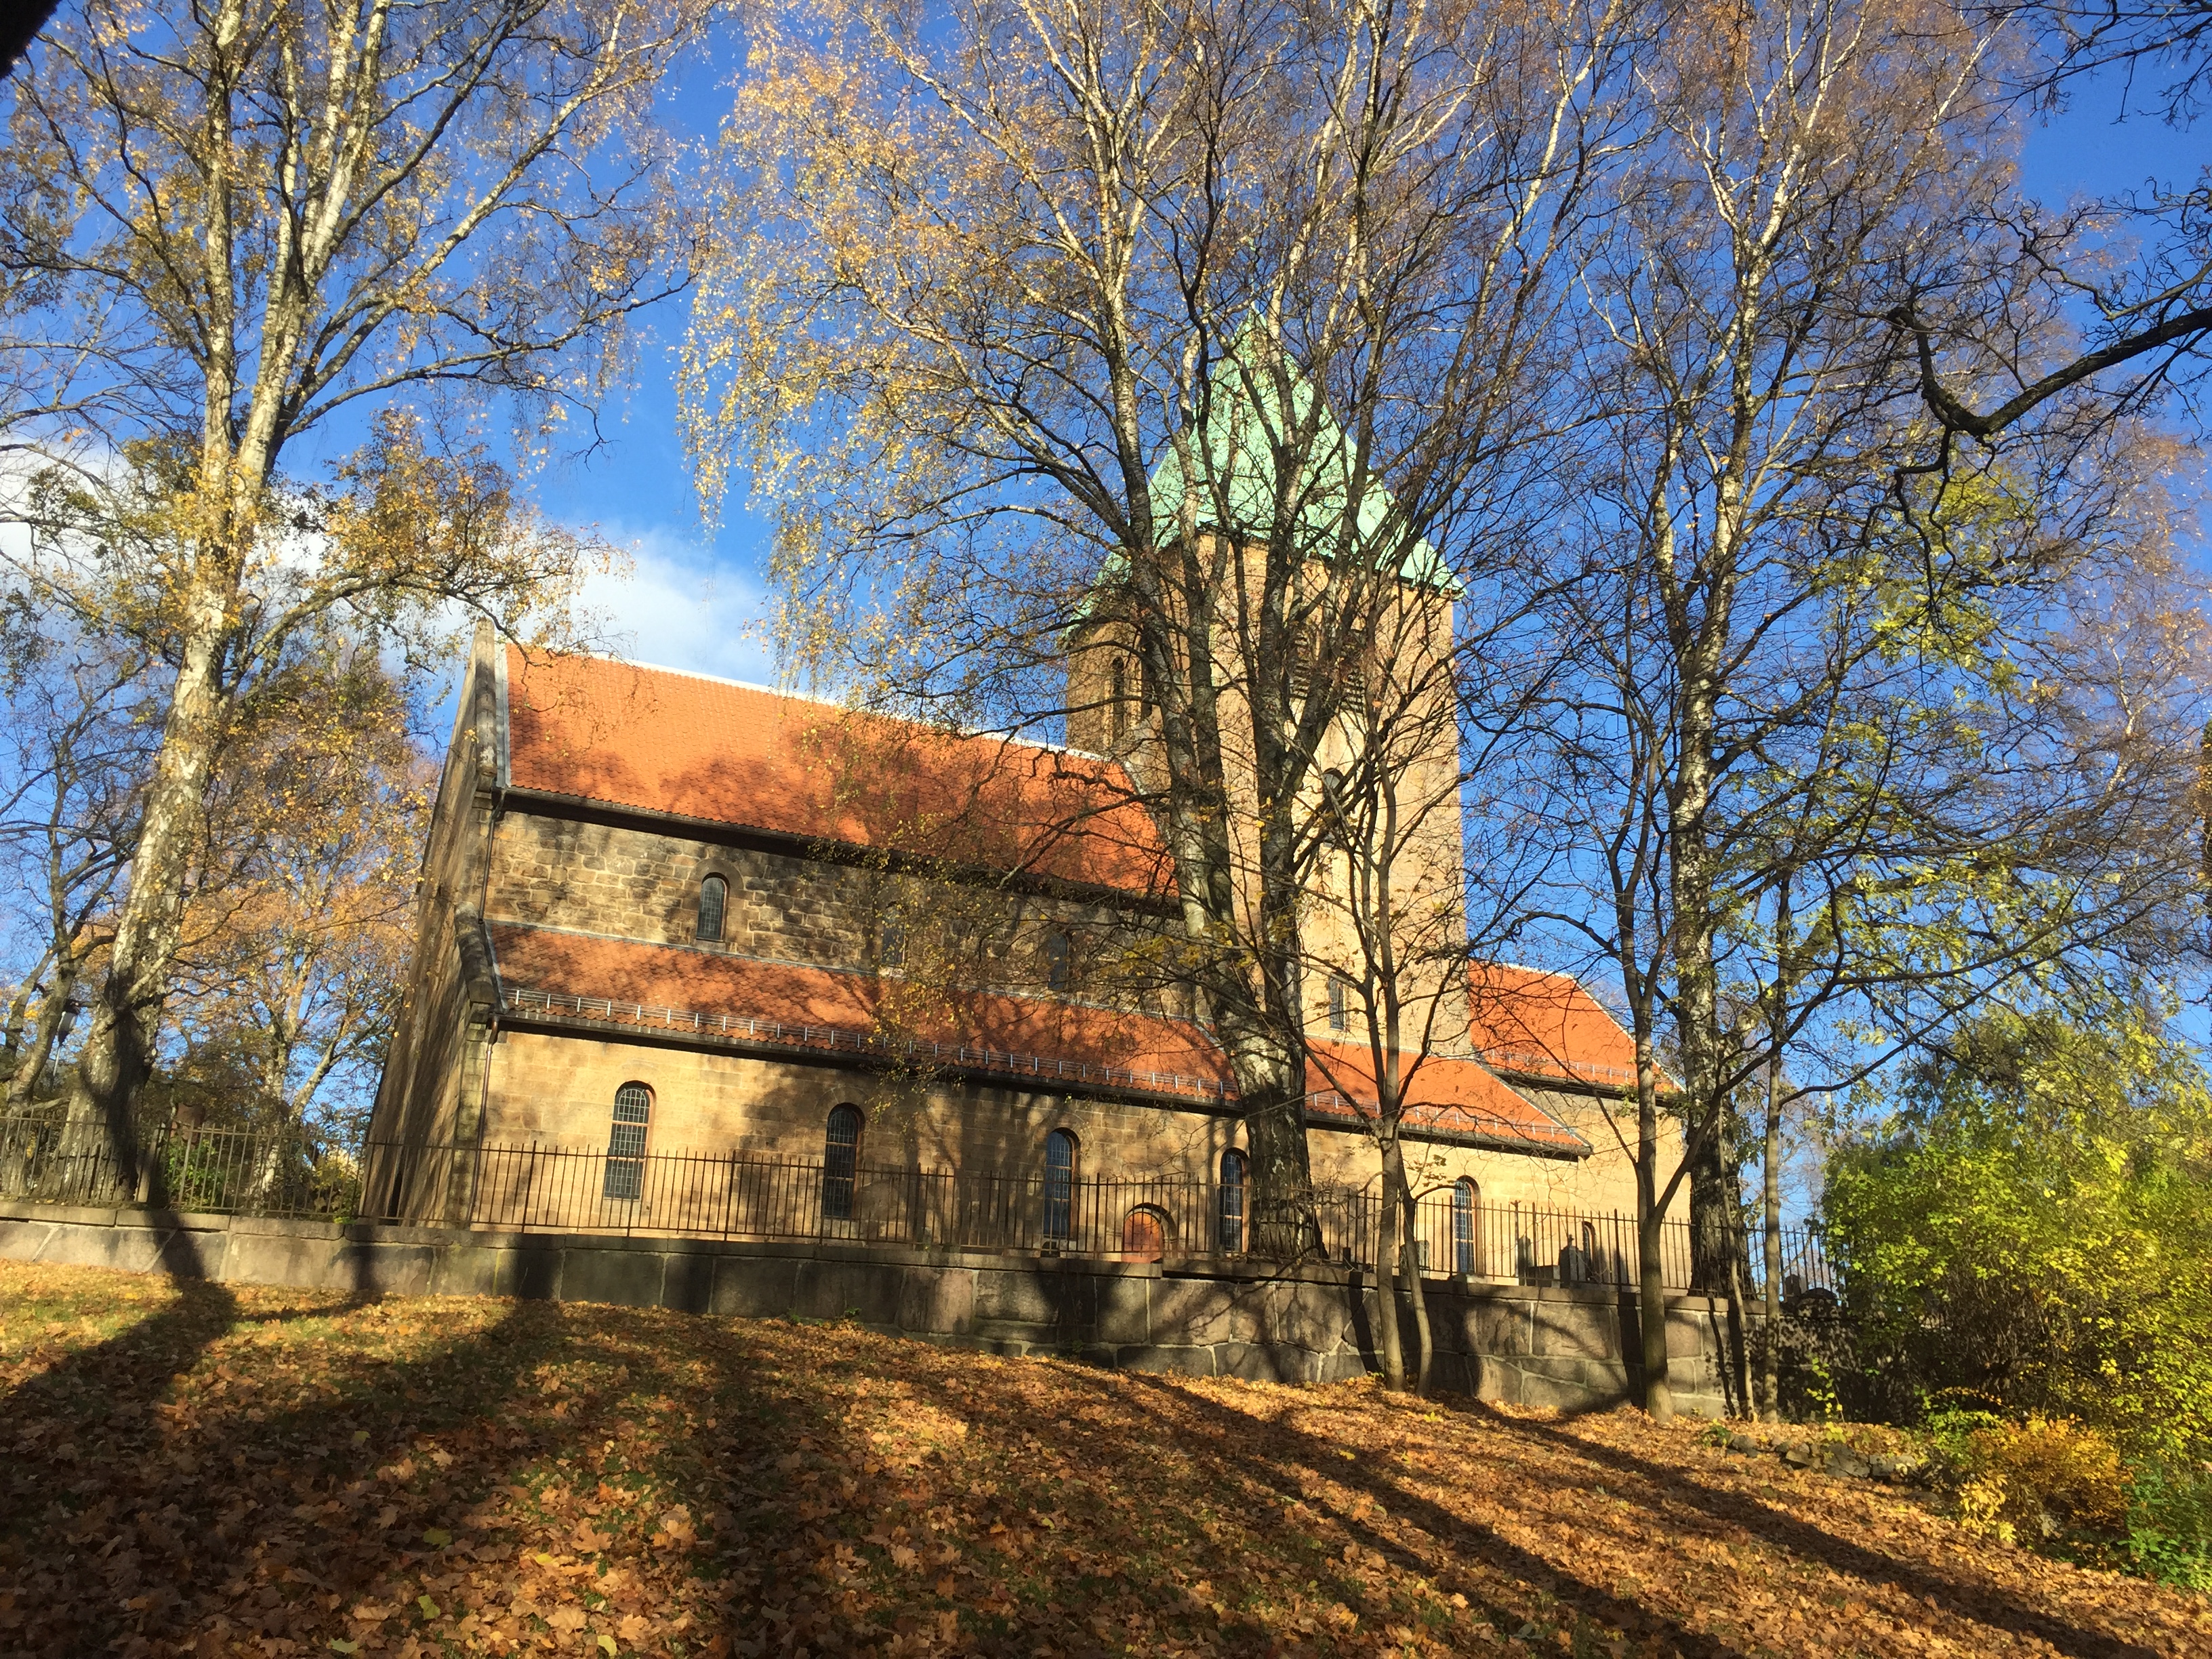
696	599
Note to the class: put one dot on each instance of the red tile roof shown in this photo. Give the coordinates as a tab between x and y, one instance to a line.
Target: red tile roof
699	748
1447	1095
744	999
1546	1024
740	999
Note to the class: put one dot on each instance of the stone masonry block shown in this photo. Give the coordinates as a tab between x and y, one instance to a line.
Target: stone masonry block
627	1279
687	1282
1054	1296
1313	1316
1263	1362
23	1240
1125	1309
1172	1361
865	1290
385	1269
1575	1329
939	1301
188	1253
1207	1310
755	1287
537	1272
1690	1335
472	1271
1503	1325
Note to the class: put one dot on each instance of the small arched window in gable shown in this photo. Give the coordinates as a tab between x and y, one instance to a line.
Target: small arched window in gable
1060	1153
1056	953
625	1167
840	1162
1466	1226
714	900
1234	1171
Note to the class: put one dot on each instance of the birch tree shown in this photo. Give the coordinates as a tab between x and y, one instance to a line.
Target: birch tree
268	219
1794	652
1172	333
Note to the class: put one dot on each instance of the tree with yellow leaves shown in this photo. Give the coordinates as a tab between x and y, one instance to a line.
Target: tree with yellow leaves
1183	336
235	226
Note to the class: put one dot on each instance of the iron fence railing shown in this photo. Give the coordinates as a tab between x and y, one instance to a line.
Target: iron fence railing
55	1160
536	1187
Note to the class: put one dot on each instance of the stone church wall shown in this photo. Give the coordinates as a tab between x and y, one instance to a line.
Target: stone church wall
643	884
560	1089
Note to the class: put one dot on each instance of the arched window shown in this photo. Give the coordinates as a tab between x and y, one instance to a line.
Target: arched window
840	1162
1055	961
1234	1169
1145	1233
625	1171
1340	1003
1466	1231
894	940
1117	719
1060	1152
713	899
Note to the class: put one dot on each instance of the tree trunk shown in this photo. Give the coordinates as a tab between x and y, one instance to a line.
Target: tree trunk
1769	1367
1739	1346
1713	1212
1275	1133
118	1049
31	1065
19	1010
1386	1286
1410	1258
1650	1272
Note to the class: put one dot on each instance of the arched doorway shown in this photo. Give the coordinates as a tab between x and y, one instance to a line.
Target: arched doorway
1145	1233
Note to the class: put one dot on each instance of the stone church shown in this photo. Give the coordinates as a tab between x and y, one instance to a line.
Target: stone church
695	956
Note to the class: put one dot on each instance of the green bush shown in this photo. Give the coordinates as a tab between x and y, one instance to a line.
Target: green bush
2169	1523
2031	1229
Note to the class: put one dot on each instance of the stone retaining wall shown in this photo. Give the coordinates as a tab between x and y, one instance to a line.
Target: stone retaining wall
1205	1316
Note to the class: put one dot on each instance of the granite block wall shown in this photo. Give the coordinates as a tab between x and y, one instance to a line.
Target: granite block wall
1197	1316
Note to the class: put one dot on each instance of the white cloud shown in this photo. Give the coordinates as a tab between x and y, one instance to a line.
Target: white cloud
680	607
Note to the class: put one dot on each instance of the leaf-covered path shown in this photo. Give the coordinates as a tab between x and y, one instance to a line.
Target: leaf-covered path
213	1470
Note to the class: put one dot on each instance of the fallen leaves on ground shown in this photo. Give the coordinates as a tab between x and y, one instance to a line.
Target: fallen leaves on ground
203	1469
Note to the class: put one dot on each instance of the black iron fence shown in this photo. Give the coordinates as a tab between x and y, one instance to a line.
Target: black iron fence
54	1160
540	1187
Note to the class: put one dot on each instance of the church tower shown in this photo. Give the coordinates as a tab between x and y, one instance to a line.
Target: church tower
1378	803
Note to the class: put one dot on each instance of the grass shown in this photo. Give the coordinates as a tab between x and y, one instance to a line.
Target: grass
196	1468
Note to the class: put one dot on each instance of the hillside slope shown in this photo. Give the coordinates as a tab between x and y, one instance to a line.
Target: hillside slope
217	1470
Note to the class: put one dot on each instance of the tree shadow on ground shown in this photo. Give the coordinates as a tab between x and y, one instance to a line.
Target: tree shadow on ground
219	1478
800	1451
1258	1468
1985	1606
280	1470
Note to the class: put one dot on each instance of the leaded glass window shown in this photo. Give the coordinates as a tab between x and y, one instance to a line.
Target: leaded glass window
840	1162
625	1172
714	900
1059	1185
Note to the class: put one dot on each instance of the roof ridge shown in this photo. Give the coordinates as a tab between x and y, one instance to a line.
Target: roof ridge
839	703
1524	968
